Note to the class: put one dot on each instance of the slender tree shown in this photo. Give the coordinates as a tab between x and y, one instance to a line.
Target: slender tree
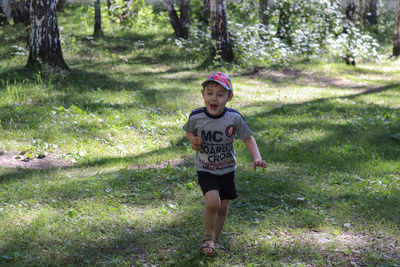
205	12
3	17
372	15
6	8
20	11
180	24
263	6
363	13
44	37
97	18
283	28
219	31
61	5
396	33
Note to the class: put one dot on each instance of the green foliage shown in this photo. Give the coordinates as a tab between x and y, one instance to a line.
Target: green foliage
134	14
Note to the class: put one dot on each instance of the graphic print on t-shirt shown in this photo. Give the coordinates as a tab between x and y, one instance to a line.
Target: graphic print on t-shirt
218	149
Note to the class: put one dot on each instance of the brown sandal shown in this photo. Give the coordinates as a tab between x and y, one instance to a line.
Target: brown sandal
206	245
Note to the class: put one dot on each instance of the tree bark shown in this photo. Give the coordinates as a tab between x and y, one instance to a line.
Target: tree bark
283	23
261	12
372	15
219	31
180	25
109	7
6	7
351	15
351	11
44	37
205	12
3	17
97	19
185	17
363	13
20	12
396	33
61	5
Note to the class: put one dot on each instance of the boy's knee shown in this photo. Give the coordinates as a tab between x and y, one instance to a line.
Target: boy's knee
213	201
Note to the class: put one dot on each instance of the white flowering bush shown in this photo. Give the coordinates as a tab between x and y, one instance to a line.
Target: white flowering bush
297	30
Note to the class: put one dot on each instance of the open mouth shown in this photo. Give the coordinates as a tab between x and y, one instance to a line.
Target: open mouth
213	107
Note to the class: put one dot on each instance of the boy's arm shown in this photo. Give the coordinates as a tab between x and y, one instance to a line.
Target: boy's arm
255	153
194	140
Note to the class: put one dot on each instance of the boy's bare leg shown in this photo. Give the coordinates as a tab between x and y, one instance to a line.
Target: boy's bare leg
221	217
211	208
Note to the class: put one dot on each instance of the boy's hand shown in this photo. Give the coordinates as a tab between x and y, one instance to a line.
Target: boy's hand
196	143
259	163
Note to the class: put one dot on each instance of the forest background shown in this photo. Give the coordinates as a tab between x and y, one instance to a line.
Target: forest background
96	169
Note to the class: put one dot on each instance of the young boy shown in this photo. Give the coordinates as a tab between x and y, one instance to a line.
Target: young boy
211	131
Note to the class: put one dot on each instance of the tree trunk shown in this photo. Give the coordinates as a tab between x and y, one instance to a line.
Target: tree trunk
205	12
396	33
97	19
44	37
372	15
109	7
283	23
363	13
351	11
261	12
61	5
219	31
351	15
3	17
185	17
6	7
180	25
20	12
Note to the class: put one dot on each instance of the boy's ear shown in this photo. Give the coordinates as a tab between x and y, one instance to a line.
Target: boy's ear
230	96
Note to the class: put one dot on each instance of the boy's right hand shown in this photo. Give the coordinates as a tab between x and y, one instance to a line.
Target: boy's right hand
196	143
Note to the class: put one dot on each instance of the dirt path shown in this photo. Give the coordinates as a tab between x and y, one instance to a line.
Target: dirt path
48	162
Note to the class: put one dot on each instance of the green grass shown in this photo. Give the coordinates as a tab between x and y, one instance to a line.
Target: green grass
330	133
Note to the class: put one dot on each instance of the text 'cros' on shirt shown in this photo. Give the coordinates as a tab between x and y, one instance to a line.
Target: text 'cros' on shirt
217	134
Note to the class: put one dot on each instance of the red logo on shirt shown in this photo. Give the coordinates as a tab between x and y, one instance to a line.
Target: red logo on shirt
230	130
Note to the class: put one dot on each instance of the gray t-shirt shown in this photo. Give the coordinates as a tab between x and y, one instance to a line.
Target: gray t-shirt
218	134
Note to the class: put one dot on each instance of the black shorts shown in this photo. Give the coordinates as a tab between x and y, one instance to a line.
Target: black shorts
224	184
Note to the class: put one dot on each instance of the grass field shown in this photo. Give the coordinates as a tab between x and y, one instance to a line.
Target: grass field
329	132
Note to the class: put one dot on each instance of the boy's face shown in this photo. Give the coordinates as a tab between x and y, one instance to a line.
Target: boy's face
215	98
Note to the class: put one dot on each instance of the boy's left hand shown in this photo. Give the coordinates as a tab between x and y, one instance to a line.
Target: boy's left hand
259	163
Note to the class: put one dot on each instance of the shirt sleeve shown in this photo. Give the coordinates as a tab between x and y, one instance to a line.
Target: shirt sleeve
243	130
189	125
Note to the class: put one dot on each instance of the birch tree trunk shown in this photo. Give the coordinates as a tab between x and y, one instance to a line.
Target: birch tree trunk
219	31
44	37
97	18
261	12
396	33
